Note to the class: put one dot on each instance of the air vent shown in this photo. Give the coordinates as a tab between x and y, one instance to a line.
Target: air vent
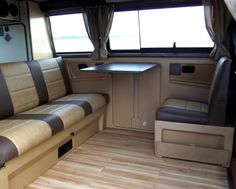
9	10
13	9
62	150
4	10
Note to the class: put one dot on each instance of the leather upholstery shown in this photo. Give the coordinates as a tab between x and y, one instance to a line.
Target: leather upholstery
179	110
53	78
219	92
20	86
32	124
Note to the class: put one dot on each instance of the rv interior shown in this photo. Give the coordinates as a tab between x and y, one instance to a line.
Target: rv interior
117	94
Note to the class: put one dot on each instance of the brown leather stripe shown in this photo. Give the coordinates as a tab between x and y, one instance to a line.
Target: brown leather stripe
39	81
81	103
8	150
6	106
52	120
64	75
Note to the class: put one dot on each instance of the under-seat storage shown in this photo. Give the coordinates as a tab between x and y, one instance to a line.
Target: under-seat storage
195	142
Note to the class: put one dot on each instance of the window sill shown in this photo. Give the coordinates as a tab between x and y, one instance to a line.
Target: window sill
192	55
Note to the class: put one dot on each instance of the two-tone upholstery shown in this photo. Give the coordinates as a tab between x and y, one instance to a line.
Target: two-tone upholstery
26	85
180	110
183	111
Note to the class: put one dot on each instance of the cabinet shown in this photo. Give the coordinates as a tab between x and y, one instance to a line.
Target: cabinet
135	93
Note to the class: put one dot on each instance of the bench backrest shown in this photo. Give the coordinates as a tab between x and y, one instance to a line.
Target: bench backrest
25	85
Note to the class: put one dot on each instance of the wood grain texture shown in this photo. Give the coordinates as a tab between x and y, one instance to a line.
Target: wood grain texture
115	159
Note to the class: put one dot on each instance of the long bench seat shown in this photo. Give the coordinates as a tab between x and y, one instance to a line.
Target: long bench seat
36	103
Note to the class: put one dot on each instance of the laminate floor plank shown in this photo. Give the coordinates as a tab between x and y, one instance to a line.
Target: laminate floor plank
120	159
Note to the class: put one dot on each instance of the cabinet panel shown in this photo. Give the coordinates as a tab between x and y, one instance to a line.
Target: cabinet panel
122	100
149	98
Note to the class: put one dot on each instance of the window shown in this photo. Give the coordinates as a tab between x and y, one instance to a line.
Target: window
69	34
169	28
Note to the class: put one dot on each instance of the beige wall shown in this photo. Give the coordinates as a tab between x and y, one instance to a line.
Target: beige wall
134	98
40	40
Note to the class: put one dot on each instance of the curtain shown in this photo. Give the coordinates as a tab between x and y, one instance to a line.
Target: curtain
217	19
105	18
98	22
50	36
231	4
90	17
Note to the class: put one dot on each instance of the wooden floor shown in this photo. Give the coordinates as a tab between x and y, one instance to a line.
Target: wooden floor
125	159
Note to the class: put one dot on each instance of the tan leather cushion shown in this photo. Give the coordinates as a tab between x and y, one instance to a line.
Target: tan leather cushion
53	78
24	131
20	85
18	136
185	111
186	105
68	113
95	100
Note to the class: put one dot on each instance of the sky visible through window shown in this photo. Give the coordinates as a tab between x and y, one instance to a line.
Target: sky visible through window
69	33
160	28
133	30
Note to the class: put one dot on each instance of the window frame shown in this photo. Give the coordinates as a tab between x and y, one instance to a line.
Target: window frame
163	52
173	50
72	53
200	51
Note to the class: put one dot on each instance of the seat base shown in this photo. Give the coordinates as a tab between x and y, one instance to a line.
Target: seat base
195	142
23	170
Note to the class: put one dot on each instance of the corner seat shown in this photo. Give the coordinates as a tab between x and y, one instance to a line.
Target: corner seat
177	110
212	113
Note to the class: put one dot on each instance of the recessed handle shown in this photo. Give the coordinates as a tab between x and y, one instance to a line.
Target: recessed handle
81	66
188	69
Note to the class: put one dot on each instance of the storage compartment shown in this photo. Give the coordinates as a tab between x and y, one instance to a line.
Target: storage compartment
193	139
195	142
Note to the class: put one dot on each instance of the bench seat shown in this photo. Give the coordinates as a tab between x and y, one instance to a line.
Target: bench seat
37	103
21	132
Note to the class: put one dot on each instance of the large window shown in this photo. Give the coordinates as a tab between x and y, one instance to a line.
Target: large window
69	34
158	29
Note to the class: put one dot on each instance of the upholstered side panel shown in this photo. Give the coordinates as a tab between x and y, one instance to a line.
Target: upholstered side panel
53	78
20	85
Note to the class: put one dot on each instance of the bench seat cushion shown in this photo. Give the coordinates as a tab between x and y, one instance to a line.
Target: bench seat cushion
22	132
177	110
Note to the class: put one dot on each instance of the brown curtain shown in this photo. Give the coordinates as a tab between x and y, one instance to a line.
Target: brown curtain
217	19
90	17
105	18
231	4
98	21
50	36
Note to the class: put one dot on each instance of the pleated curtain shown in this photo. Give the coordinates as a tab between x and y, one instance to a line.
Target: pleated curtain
98	22
217	19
